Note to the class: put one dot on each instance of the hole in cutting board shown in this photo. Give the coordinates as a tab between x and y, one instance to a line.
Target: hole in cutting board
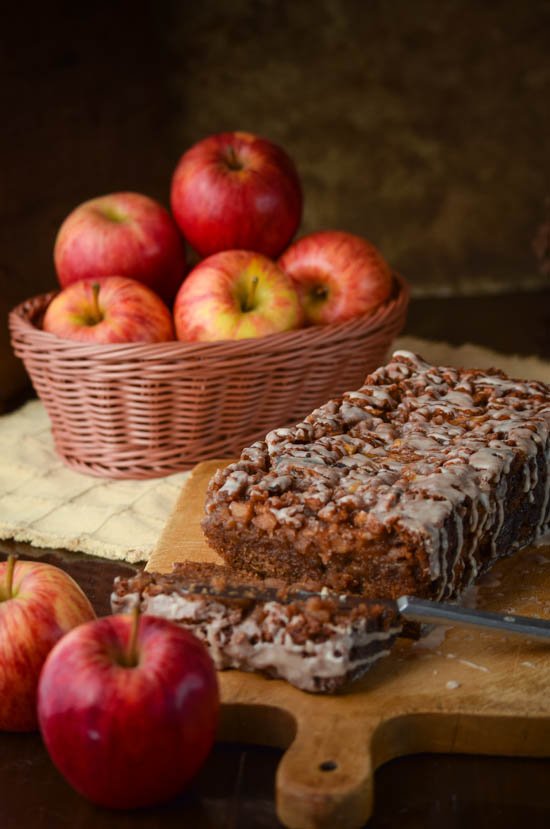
328	765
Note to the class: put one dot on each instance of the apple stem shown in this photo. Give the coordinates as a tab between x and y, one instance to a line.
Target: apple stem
10	569
320	292
95	300
132	657
251	295
232	161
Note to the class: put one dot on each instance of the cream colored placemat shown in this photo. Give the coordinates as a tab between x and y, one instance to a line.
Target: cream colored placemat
45	503
475	356
49	505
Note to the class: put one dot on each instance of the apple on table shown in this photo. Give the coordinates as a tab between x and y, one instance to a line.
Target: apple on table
39	603
128	709
234	295
338	275
236	191
113	309
124	234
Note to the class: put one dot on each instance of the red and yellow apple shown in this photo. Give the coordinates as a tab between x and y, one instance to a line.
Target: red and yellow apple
39	603
113	309
236	191
233	295
127	234
338	275
128	709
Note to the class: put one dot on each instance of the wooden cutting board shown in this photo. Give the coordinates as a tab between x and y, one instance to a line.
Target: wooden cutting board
455	690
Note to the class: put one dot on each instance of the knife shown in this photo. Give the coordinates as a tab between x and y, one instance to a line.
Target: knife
423	610
409	608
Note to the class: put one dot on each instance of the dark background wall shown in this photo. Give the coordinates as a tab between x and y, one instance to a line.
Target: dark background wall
422	125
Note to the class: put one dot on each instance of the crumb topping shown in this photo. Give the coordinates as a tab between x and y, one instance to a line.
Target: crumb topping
415	447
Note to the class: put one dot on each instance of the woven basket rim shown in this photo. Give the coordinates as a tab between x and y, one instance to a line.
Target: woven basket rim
21	323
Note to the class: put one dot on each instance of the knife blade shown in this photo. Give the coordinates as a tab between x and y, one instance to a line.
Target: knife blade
425	611
409	608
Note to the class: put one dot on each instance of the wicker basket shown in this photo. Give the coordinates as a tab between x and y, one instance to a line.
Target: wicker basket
143	411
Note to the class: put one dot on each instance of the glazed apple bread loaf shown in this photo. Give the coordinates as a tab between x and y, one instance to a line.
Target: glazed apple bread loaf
413	484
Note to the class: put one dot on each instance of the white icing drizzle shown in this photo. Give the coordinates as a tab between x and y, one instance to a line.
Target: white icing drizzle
268	646
235	483
417	450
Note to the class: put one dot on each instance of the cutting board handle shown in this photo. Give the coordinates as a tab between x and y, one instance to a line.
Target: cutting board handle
325	779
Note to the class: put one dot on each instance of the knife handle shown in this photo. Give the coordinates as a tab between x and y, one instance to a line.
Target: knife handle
424	610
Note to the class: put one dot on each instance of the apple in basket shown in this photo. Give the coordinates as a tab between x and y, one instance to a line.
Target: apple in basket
39	603
127	234
113	309
234	295
235	191
338	275
128	709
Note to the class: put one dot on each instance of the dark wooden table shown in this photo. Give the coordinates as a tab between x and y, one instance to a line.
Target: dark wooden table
235	788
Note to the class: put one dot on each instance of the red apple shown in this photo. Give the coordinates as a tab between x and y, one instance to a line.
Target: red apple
338	275
128	709
234	295
123	233
109	310
236	191
39	603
